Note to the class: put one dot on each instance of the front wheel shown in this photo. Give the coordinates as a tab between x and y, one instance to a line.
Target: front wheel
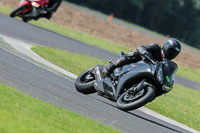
130	101
85	82
18	10
24	20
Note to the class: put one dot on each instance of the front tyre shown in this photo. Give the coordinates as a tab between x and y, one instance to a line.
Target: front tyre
85	82
18	10
129	101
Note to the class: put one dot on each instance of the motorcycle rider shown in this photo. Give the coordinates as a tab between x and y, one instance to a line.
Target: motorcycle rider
52	7
170	50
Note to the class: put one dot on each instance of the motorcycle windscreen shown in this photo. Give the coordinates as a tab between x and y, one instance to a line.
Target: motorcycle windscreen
166	73
170	69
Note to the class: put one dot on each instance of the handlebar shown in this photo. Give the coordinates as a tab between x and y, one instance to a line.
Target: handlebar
144	57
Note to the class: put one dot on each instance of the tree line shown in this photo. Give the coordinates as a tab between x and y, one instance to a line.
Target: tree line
177	18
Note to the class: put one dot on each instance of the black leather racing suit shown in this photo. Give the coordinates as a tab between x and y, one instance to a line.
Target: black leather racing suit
52	7
153	50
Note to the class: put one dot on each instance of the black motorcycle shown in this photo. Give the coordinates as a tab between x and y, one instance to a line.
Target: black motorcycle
130	86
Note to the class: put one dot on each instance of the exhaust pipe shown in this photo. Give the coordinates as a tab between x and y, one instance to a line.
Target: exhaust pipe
98	73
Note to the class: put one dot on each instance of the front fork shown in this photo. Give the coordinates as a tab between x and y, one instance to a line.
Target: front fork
140	86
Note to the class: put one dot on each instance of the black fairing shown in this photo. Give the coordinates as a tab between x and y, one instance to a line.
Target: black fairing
169	68
141	71
162	73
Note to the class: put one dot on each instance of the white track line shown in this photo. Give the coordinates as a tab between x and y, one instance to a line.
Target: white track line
25	49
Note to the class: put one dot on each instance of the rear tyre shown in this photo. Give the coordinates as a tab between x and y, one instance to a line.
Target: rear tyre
129	101
85	82
18	11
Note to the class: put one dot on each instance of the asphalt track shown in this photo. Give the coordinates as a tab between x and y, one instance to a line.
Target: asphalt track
31	33
55	89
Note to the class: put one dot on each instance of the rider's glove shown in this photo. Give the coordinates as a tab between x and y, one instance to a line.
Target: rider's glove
149	55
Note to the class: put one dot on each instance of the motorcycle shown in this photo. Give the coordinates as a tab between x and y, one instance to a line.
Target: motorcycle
30	9
130	86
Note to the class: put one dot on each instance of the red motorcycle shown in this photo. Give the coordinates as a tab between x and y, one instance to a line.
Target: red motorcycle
30	9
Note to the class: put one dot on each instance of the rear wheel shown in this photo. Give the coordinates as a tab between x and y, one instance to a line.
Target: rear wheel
18	10
133	100
85	82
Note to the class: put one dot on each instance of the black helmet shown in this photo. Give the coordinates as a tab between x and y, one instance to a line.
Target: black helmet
171	48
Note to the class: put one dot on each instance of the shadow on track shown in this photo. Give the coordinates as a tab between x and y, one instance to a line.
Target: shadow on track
137	114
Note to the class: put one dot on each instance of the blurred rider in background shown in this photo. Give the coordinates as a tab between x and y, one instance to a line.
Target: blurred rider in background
52	8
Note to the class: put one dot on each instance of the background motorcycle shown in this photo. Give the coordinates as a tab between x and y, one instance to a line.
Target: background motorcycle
30	9
130	86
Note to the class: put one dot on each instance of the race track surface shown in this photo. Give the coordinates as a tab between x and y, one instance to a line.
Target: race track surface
50	87
37	35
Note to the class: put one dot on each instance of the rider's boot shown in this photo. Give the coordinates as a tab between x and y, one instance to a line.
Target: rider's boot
125	59
108	69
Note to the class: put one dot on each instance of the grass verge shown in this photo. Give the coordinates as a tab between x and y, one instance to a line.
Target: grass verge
116	48
182	104
188	73
21	113
75	63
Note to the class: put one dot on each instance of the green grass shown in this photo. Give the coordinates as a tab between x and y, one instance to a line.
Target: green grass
5	10
21	113
188	73
72	62
181	104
